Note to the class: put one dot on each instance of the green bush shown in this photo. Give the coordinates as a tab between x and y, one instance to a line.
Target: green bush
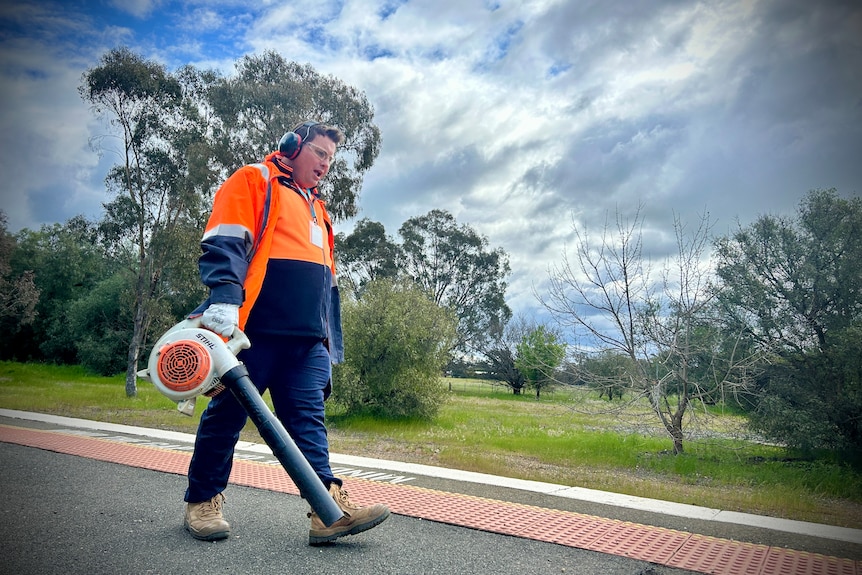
813	400
397	342
101	323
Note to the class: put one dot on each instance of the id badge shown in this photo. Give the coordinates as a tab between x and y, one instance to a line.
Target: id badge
316	234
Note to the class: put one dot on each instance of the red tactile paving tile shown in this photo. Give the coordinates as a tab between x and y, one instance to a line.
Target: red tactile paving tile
260	475
103	450
567	528
653	544
790	561
713	555
484	514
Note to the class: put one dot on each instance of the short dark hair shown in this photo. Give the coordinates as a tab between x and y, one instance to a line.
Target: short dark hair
309	130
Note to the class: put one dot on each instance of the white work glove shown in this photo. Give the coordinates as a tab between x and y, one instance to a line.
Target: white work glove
221	318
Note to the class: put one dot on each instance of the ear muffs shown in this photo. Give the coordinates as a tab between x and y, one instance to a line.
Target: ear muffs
291	143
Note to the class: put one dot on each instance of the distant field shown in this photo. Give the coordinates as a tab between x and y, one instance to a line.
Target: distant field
490	388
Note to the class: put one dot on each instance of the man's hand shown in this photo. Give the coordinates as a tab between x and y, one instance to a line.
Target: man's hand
221	318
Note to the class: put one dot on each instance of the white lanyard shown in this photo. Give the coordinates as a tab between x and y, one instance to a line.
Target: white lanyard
310	199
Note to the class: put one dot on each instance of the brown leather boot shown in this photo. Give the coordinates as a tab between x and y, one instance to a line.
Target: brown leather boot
356	519
205	521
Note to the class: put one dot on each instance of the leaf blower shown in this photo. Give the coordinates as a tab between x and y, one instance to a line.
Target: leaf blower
189	360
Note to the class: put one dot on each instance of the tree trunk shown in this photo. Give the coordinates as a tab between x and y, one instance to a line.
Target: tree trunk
676	434
676	425
132	368
134	354
135	344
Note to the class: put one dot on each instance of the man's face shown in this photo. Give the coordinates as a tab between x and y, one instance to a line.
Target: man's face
312	163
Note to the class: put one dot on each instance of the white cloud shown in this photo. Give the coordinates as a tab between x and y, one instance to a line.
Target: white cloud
137	8
47	165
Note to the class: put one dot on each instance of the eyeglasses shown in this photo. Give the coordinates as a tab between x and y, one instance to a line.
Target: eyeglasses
321	154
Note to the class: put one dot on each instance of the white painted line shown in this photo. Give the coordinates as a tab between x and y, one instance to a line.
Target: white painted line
580	493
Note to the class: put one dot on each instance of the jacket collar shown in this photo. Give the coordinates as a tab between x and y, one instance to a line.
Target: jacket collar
277	160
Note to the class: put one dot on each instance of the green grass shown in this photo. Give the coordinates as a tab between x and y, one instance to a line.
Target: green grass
71	392
486	429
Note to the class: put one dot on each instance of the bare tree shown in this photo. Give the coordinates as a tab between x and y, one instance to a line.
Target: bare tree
662	322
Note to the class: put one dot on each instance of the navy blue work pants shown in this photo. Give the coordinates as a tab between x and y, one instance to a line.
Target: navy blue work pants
297	373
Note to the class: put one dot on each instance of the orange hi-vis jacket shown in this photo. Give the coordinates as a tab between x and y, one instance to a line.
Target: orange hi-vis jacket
269	248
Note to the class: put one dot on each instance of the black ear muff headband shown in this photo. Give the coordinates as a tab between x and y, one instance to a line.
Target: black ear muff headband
291	143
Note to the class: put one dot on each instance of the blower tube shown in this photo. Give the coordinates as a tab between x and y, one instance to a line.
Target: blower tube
273	432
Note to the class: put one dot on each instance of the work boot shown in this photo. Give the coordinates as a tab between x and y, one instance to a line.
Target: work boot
205	521
356	519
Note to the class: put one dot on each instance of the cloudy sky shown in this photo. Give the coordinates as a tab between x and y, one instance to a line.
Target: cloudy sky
518	117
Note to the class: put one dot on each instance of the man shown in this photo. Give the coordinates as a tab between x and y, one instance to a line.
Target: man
268	261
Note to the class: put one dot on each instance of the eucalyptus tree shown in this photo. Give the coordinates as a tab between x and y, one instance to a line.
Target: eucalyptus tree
267	96
365	255
460	271
153	196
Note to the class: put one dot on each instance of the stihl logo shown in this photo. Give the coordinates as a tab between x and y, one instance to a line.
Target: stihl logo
205	340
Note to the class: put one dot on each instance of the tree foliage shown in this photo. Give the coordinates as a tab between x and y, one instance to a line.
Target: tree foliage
101	323
450	261
793	281
66	261
397	343
457	267
540	353
795	286
365	255
18	292
269	95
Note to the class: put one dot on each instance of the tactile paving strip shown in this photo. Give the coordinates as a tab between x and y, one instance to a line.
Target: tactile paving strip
668	547
720	557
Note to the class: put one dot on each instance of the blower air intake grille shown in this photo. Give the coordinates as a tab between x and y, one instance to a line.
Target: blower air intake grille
183	365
